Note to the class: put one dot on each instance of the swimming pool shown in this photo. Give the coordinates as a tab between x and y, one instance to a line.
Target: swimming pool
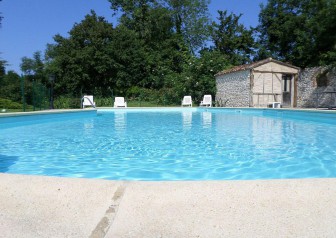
171	144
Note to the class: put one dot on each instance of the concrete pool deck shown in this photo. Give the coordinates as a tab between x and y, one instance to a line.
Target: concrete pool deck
41	206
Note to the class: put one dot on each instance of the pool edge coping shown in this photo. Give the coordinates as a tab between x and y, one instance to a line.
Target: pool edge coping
58	111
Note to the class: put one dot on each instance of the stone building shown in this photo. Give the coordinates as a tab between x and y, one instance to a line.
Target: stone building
317	87
258	84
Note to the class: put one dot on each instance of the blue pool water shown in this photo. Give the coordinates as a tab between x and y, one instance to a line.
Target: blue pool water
171	144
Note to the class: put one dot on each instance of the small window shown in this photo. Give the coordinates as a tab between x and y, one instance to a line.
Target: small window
322	79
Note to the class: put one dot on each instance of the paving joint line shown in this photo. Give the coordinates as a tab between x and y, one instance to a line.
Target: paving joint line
106	221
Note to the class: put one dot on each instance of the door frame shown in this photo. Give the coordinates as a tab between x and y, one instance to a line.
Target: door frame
291	89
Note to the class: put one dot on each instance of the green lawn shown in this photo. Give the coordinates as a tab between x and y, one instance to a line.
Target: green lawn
147	104
99	103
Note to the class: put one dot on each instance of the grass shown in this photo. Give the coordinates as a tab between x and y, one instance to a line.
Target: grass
129	104
20	110
132	103
146	104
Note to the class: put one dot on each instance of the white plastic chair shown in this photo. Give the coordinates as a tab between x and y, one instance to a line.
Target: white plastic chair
87	100
207	101
274	104
120	102
187	101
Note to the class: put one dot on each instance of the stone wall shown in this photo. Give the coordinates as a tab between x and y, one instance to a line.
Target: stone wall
309	87
233	89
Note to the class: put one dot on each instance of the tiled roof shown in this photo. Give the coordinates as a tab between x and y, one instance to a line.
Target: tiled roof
252	66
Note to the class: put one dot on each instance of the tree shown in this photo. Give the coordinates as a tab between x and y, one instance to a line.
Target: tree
136	15
160	50
191	19
27	66
84	62
198	76
232	39
10	86
2	68
325	26
2	71
34	67
146	54
298	31
130	57
1	17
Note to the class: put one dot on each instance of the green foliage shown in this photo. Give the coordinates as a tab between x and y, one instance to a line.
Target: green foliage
10	86
2	68
35	93
233	39
136	92
156	53
27	66
299	31
84	62
1	17
139	103
34	68
150	56
148	95
104	102
191	20
98	59
9	104
198	78
66	102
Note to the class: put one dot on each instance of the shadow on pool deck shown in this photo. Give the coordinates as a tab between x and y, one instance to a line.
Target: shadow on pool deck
38	206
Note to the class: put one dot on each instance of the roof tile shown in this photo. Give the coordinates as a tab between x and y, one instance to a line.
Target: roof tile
252	66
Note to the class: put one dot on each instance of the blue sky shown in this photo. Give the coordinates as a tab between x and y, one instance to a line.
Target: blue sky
28	25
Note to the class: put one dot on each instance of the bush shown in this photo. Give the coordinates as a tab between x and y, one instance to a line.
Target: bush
142	94
9	104
103	102
64	102
68	102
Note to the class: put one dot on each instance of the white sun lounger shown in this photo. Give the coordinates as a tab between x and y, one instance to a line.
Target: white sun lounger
120	102
87	100
207	101
187	101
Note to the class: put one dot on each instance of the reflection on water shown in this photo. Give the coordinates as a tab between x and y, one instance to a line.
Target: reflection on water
266	137
187	119
120	121
88	125
275	147
206	119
